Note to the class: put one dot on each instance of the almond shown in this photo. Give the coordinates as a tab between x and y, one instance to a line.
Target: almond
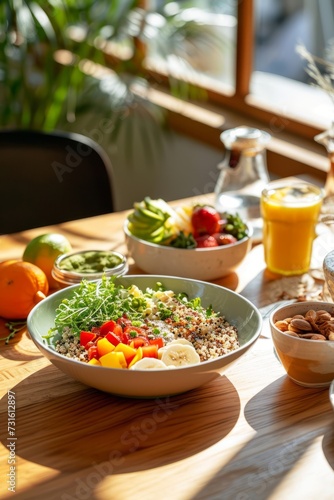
293	334
312	336
323	316
301	324
282	325
311	315
291	328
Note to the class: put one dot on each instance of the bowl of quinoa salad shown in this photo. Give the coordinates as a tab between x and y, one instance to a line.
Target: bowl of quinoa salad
175	334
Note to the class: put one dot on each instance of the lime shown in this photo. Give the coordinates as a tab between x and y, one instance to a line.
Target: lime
43	251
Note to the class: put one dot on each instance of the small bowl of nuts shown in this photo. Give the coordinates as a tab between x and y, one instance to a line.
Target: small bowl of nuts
303	336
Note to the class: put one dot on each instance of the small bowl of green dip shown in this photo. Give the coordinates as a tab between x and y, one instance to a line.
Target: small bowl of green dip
71	268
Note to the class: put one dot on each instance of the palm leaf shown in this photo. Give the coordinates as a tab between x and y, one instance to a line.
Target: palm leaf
43	87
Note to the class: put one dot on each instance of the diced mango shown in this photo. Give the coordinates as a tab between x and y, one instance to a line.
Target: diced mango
129	352
150	351
104	346
113	360
94	361
138	356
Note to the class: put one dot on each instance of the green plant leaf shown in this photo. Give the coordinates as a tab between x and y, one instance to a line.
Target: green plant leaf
47	50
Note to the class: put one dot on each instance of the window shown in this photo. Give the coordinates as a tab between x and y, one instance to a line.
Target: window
237	57
262	36
255	70
279	78
200	42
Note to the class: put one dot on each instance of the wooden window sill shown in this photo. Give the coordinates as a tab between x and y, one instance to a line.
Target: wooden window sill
287	154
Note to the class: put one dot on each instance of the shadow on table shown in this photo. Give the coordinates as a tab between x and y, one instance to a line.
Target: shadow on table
20	347
257	470
67	426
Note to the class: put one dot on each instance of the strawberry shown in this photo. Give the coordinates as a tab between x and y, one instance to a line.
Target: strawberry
206	241
205	220
224	239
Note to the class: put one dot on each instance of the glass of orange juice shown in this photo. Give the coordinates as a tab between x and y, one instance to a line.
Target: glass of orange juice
290	212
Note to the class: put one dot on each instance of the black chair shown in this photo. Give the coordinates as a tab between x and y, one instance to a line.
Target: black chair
50	178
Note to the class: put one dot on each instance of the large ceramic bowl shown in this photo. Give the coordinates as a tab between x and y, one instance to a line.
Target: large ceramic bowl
198	263
134	383
309	363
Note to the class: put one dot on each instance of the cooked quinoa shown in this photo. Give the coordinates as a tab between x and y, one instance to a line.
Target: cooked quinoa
211	335
69	346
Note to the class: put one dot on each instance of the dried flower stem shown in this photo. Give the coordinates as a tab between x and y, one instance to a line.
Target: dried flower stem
323	80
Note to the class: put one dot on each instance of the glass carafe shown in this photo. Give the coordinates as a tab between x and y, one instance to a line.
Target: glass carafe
243	174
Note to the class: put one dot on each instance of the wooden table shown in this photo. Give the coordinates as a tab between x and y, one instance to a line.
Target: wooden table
252	434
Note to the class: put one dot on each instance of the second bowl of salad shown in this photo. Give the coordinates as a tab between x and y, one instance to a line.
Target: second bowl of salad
191	241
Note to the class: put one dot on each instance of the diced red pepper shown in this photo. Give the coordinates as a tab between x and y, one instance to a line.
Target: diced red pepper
125	338
90	344
138	342
86	337
124	321
159	342
92	352
150	351
107	327
132	330
118	330
113	338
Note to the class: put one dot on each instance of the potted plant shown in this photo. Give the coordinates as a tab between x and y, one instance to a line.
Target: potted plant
57	60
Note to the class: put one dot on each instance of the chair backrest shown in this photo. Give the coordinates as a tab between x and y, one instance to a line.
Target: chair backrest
49	178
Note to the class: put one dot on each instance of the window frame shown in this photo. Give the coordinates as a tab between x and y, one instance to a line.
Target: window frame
292	150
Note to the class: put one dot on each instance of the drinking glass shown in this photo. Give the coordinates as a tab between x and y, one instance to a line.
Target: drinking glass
290	212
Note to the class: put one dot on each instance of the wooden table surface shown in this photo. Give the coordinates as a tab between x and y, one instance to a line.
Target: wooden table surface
251	434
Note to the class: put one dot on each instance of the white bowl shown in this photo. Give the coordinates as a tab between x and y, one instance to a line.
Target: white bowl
198	263
309	363
331	394
133	383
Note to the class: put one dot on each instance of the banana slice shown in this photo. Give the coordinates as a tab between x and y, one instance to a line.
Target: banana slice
149	364
180	355
161	351
173	342
183	219
181	341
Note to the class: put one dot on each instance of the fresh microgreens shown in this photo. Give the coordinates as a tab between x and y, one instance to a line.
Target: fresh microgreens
93	303
195	304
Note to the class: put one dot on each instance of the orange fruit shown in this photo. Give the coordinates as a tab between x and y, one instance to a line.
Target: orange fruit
43	251
22	286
